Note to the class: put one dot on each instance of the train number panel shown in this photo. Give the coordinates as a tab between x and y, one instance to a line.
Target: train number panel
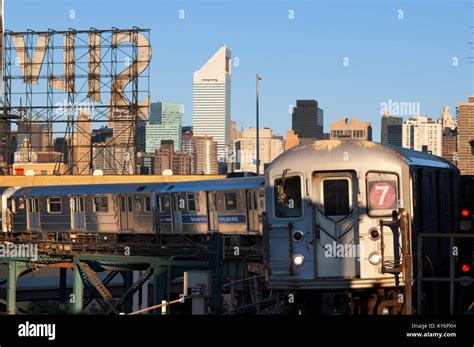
383	195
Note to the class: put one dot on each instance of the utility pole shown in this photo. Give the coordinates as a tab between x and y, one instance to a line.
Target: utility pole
258	78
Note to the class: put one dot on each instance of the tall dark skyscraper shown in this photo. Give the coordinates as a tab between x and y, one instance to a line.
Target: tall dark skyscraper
308	120
392	130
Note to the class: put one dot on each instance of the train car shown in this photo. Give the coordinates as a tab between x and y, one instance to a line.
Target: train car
465	266
229	206
104	210
324	204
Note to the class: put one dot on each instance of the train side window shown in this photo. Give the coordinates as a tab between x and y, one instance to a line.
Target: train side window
336	197
382	194
54	205
192	202
14	205
147	204
288	197
230	201
130	204
101	204
123	206
164	203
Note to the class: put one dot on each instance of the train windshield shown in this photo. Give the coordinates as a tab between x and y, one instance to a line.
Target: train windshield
336	197
288	197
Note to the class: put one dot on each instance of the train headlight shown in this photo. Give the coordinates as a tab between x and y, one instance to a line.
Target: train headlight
297	235
375	258
298	260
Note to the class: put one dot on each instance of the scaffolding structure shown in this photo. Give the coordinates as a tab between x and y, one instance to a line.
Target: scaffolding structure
61	85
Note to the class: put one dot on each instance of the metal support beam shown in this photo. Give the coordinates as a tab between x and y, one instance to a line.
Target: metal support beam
15	269
131	288
127	285
159	284
11	287
62	288
78	288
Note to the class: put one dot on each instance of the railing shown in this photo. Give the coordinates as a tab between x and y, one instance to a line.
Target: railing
255	294
451	279
164	306
402	263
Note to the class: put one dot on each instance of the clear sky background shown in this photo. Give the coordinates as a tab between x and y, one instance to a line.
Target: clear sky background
405	60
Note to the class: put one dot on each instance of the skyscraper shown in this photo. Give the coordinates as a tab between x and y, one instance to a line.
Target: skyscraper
81	141
245	149
165	126
449	142
449	145
422	134
36	133
391	132
291	140
155	113
164	157
351	128
308	120
465	115
189	146
206	155
211	100
447	119
235	133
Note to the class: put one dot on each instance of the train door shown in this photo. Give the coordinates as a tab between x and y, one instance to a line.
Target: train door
33	215
176	205
213	218
78	218
252	210
126	212
336	224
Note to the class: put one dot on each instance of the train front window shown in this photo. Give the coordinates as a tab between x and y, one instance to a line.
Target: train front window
288	197
336	197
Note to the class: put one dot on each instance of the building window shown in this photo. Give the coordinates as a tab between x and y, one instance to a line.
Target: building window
101	204
230	200
288	197
54	205
192	202
336	197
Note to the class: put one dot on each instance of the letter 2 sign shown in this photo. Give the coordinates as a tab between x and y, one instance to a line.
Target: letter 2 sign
383	195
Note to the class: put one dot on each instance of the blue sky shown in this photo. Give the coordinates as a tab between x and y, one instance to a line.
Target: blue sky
405	60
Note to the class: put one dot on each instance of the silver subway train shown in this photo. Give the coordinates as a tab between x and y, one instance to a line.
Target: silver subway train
325	201
118	212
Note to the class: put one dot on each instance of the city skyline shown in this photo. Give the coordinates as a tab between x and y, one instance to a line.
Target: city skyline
407	53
